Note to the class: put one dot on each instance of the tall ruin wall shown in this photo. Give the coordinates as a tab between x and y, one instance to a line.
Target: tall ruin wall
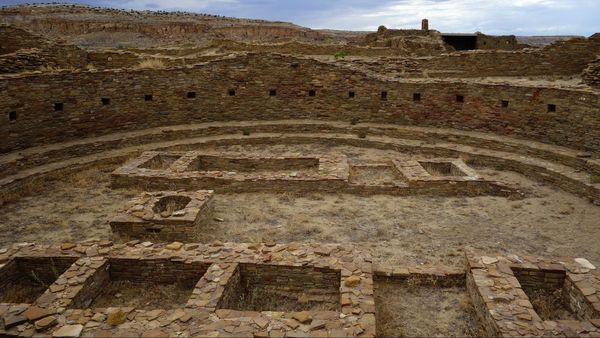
561	58
46	108
20	51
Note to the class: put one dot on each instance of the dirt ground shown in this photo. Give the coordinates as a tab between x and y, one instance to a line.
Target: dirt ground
143	295
550	304
399	230
424	311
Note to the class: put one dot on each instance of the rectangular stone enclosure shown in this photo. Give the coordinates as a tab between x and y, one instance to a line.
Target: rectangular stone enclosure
193	289
24	279
282	288
141	283
531	296
233	172
164	216
431	170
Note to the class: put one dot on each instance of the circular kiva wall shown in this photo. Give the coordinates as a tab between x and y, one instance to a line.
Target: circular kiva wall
42	109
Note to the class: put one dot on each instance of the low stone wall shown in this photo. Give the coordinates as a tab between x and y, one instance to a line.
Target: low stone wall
242	173
62	308
496	285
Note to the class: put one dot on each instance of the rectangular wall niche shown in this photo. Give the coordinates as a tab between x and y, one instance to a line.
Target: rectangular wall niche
12	116
417	97
58	106
148	97
504	103
141	283
551	108
460	98
384	95
272	92
24	279
312	93
256	287
191	95
105	101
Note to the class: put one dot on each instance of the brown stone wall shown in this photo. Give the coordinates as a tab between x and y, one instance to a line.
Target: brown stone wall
591	75
12	39
107	59
47	269
162	271
575	123
502	42
21	51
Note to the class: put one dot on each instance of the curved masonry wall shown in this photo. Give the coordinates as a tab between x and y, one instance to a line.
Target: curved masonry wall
43	109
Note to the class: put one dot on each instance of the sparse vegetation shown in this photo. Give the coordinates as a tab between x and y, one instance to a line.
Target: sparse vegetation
340	55
151	64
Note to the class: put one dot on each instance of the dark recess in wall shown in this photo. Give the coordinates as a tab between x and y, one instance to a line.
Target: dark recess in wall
461	42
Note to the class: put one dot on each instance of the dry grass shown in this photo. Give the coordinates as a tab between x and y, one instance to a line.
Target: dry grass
143	295
151	64
268	298
550	304
416	309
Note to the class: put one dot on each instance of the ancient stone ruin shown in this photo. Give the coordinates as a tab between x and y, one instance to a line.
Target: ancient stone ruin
170	174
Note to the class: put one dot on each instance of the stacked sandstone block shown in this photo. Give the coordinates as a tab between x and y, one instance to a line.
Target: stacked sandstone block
64	309
165	215
496	285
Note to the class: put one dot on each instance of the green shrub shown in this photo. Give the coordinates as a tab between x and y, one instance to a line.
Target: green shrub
340	55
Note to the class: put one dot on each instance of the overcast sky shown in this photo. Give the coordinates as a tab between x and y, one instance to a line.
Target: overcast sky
520	17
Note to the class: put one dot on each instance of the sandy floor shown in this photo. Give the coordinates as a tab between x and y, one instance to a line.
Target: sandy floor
400	230
424	311
143	295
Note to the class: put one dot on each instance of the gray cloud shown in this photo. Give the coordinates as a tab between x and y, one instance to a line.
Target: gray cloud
525	17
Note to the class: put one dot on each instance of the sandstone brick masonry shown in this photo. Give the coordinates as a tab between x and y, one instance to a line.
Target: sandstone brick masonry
200	170
22	51
331	287
239	89
498	285
242	173
168	215
591	75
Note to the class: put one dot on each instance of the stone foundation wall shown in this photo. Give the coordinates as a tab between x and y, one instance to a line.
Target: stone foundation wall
68	106
498	286
67	303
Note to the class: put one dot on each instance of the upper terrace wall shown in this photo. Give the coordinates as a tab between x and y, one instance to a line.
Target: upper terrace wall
561	58
21	50
45	108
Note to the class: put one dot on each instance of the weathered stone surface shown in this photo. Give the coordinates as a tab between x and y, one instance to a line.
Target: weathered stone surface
45	323
68	331
303	317
116	316
34	313
13	320
352	281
